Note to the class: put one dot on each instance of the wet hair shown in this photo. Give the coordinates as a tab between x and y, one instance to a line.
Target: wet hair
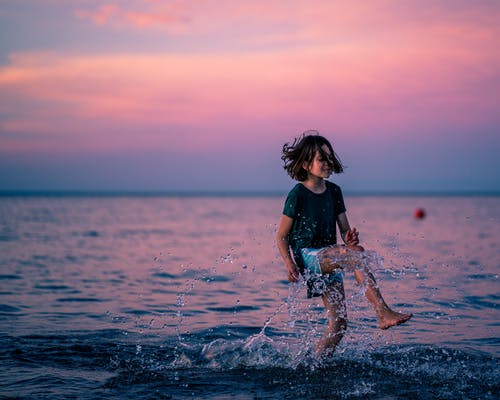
303	149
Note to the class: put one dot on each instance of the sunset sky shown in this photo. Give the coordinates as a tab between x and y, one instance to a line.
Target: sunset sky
200	95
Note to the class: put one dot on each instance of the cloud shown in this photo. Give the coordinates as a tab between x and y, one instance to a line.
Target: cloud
363	70
141	14
77	97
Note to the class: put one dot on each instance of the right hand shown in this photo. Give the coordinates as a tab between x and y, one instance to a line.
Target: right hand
351	237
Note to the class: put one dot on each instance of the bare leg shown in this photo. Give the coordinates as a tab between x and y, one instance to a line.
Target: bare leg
341	256
334	300
386	316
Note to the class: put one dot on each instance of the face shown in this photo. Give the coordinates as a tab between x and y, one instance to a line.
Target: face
320	166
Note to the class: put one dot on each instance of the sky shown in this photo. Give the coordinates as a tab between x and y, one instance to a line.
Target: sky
201	95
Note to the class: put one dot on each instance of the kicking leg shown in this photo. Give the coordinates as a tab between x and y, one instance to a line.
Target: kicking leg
347	257
386	316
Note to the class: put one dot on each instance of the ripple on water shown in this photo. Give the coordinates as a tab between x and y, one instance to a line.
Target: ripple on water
234	309
53	287
8	310
480	302
80	300
164	275
5	277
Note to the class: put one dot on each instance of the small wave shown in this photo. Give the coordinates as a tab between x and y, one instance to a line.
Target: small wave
482	277
91	233
164	275
235	309
243	360
481	302
53	287
9	277
5	309
80	300
143	232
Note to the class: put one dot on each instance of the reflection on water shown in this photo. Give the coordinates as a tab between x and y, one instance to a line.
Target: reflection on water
144	262
202	277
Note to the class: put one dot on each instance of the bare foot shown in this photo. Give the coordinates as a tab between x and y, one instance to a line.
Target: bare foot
393	319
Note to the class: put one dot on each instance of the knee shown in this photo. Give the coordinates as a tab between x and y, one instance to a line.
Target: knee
356	247
329	267
340	325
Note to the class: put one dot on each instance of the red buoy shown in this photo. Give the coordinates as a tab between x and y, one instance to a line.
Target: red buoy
419	213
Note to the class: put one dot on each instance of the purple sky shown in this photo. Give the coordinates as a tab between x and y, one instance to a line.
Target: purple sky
201	95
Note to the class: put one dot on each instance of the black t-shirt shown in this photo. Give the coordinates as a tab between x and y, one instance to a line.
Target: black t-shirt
314	217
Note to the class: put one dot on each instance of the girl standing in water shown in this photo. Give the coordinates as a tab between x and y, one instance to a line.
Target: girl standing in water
307	239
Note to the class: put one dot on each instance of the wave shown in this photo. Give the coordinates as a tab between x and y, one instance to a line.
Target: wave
240	362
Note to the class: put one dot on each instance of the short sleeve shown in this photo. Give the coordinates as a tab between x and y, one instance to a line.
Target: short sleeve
338	199
290	207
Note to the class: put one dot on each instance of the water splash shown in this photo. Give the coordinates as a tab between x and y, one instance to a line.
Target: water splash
286	338
261	350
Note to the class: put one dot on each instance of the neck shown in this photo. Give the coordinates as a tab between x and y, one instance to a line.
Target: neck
315	184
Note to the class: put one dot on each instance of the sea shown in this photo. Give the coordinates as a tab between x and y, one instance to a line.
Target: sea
163	296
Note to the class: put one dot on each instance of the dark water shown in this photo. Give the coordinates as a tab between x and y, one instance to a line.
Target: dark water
165	297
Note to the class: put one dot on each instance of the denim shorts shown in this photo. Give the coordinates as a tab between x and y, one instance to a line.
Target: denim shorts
317	283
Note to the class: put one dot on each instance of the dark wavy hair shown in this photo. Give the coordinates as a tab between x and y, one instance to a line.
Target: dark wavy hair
303	149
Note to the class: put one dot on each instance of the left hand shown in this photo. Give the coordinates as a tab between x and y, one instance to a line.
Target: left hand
351	237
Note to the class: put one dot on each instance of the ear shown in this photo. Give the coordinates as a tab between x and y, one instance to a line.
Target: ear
306	165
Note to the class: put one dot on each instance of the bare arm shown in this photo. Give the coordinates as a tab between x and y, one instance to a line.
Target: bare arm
349	236
284	248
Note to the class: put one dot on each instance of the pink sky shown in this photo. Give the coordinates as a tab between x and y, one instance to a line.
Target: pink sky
88	78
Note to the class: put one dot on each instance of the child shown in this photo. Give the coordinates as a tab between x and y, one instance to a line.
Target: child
307	240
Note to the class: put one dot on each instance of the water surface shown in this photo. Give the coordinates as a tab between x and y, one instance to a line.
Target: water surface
186	297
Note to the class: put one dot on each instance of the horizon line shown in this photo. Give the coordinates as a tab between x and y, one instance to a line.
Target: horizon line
232	193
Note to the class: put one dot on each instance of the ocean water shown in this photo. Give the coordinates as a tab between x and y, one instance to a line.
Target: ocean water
158	297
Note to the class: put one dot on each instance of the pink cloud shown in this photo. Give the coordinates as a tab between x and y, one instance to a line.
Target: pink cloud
323	84
100	16
400	68
323	21
142	14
